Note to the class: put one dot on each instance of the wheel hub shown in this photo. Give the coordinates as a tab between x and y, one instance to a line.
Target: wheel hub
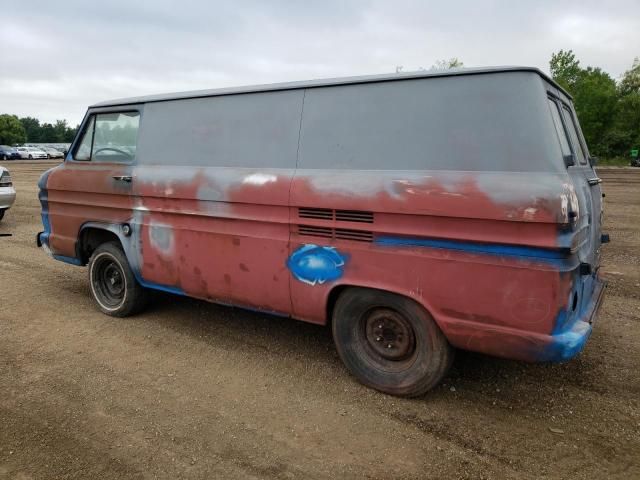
389	334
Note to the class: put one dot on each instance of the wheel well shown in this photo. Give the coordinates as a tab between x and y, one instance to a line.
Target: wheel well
90	239
334	294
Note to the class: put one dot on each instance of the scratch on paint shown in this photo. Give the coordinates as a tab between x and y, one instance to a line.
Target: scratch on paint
313	264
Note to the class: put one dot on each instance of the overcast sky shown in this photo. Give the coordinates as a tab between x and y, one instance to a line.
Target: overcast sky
57	57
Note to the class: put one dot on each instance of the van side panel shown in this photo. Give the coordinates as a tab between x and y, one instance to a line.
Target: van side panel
212	195
466	200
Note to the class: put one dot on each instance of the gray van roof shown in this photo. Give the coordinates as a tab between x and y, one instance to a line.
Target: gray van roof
385	77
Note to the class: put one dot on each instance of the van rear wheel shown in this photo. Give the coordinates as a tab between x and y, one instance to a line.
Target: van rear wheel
114	288
389	342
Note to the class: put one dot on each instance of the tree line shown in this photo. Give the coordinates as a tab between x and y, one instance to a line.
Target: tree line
14	131
608	110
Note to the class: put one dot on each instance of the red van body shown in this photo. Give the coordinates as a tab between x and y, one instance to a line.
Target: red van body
504	260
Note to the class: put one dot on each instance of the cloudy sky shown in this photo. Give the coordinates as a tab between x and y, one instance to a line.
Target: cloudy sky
57	57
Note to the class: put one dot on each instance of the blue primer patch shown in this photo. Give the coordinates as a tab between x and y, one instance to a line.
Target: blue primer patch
564	346
550	256
43	196
69	260
157	286
313	264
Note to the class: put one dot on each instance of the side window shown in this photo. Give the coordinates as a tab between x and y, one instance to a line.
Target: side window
575	140
109	137
83	151
557	122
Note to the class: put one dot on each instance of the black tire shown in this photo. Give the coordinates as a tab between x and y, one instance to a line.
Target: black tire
1	214
4	157
419	355
30	157
114	288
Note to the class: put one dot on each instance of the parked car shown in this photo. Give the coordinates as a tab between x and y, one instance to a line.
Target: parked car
7	192
52	152
31	152
8	153
415	213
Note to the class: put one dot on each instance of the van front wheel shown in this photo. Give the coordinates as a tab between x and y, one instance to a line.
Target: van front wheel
114	288
389	342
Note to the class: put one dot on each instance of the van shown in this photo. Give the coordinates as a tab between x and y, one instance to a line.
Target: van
414	213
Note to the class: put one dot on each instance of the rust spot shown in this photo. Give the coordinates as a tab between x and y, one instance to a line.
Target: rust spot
197	271
244	268
182	259
275	279
227	278
149	265
235	241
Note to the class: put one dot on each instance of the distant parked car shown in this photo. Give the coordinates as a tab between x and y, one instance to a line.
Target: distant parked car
31	152
8	153
7	192
52	152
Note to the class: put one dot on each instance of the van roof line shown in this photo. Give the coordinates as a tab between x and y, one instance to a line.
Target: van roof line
385	77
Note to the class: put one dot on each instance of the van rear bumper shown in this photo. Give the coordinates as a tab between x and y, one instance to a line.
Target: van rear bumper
566	345
511	343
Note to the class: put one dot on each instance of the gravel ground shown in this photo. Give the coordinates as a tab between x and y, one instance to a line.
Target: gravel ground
195	390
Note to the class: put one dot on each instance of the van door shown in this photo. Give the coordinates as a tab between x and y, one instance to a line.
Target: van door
211	188
94	184
587	230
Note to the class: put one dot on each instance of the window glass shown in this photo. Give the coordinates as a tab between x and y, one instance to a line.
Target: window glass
109	137
557	121
571	126
83	151
115	137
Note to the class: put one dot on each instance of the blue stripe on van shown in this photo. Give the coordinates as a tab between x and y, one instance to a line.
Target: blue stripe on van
43	196
475	247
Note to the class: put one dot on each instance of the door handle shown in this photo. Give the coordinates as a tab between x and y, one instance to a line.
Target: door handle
594	181
123	178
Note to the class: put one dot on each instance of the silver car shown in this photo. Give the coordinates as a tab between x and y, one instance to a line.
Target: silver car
7	192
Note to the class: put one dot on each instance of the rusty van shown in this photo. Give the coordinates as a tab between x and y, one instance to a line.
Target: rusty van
415	213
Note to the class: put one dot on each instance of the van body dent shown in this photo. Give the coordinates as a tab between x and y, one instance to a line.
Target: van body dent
462	200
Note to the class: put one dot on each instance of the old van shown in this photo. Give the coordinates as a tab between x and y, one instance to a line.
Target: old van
415	213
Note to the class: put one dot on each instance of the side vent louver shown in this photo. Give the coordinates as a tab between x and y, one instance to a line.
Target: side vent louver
358	235
327	214
316	213
354	216
310	231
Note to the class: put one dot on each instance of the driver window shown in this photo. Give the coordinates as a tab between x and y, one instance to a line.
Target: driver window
110	138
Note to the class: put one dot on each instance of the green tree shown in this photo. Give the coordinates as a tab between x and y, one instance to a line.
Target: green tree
595	96
32	128
625	131
47	133
565	68
11	130
630	82
60	129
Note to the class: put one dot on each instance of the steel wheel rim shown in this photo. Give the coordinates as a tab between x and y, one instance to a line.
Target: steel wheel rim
109	282
389	335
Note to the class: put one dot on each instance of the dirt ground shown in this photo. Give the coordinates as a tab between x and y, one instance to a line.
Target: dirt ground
195	390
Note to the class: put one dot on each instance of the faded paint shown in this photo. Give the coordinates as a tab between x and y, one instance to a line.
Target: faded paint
487	254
